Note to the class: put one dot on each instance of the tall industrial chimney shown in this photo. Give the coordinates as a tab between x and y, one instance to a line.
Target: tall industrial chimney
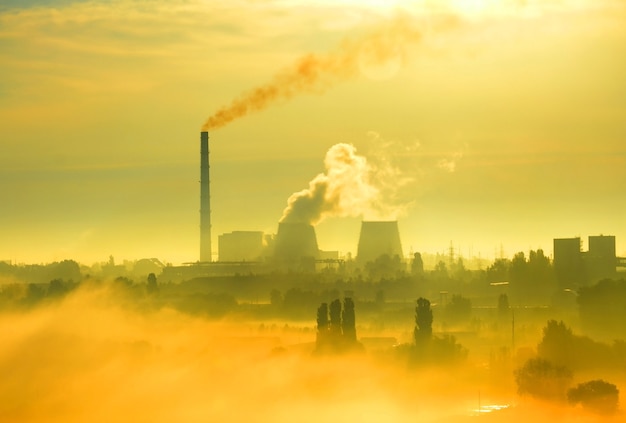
205	199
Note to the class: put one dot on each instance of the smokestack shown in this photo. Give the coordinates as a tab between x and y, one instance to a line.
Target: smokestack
378	238
205	199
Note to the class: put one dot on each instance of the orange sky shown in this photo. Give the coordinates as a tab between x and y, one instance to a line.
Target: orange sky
502	123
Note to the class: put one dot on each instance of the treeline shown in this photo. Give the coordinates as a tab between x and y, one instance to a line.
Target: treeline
67	270
72	271
602	308
506	284
561	357
526	279
28	295
147	294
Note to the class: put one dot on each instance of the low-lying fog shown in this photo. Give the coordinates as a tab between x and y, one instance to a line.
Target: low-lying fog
85	358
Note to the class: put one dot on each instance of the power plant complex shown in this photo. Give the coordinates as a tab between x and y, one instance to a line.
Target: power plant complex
293	242
295	247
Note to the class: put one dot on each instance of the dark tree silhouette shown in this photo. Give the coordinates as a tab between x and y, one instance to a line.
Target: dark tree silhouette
337	334
558	344
322	326
441	271
335	319
348	324
423	321
153	288
602	307
542	279
427	348
532	280
123	282
322	317
518	275
417	265
596	395
276	299
56	288
542	379
68	270
34	294
458	270
459	309
498	271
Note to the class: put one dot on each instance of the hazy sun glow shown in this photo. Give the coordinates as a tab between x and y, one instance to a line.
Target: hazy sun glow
471	7
466	9
490	104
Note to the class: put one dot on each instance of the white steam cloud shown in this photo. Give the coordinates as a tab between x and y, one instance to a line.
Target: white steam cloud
381	186
351	186
345	189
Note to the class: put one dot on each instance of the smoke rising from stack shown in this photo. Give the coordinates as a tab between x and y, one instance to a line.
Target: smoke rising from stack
316	73
345	189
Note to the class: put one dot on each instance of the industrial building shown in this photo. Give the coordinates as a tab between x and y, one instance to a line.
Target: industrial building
240	246
601	259
575	268
295	246
568	262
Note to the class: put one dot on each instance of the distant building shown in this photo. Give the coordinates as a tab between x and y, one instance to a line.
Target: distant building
601	259
575	268
240	246
568	262
378	238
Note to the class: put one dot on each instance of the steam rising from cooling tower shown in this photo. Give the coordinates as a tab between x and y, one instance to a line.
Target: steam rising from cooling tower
316	73
344	189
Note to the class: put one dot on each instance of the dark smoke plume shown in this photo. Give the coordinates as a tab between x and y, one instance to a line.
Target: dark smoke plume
316	73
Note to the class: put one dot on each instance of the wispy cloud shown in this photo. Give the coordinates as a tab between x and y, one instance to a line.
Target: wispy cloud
450	162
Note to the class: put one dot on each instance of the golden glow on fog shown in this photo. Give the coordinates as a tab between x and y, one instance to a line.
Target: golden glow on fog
86	358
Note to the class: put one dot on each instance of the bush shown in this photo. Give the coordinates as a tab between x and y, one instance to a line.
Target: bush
596	395
542	379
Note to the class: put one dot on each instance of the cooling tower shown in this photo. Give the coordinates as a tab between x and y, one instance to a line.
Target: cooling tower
378	238
295	241
205	199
